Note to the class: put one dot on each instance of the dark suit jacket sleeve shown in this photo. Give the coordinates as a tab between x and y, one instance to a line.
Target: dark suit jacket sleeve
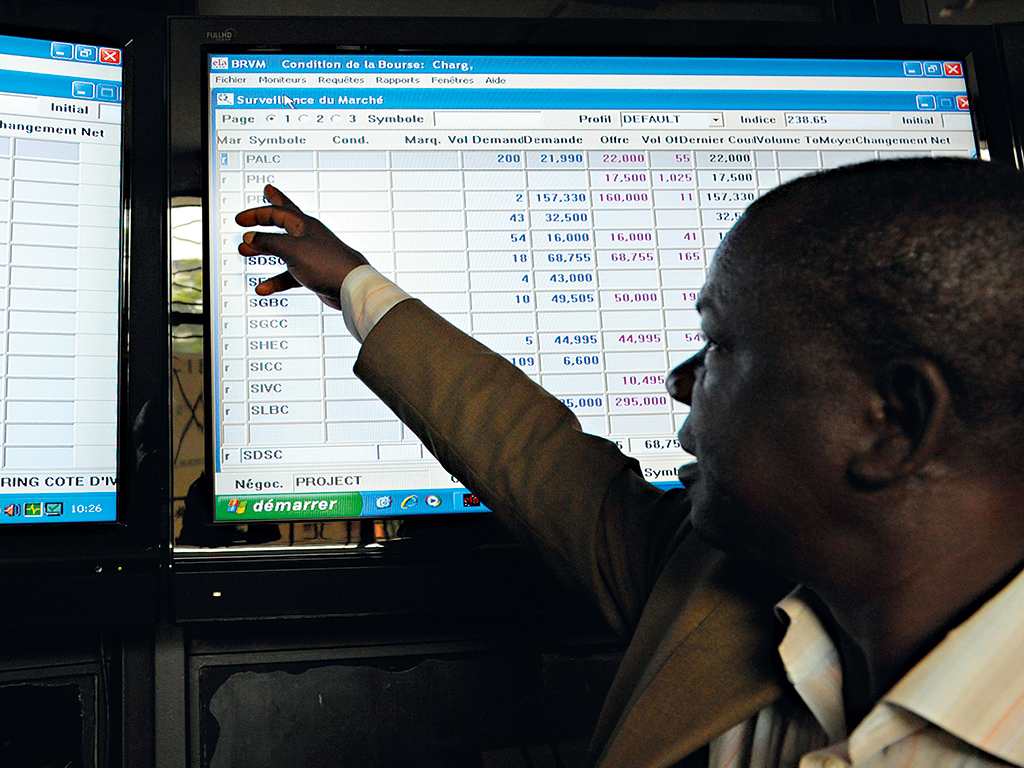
575	498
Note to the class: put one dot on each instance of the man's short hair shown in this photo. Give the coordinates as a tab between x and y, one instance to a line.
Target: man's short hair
907	258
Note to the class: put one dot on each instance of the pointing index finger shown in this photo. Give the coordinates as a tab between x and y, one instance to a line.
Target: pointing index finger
291	221
275	196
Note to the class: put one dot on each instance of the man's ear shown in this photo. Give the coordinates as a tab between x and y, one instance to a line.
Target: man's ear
908	425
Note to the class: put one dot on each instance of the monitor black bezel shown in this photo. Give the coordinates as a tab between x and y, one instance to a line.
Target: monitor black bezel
467	563
100	558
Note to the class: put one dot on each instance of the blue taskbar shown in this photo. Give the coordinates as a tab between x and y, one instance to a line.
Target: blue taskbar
99	507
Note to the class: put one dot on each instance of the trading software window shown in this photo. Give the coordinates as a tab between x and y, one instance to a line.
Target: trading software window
60	230
562	210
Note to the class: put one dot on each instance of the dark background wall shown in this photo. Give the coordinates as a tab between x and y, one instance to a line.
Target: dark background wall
434	690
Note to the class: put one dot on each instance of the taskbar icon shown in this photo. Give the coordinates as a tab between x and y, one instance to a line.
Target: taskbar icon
35	509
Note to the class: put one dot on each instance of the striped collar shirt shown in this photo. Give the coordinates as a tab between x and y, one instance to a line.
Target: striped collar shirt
961	706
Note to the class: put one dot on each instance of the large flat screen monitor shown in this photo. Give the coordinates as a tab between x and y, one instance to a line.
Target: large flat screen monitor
60	279
562	209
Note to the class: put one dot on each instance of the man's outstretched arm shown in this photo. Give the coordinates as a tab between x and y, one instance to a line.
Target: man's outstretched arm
574	497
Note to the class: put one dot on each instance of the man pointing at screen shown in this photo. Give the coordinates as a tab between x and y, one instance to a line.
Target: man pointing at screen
839	582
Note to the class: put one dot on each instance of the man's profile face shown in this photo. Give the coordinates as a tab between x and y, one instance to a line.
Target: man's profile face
768	421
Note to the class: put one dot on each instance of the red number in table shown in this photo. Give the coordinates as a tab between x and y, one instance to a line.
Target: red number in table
640	338
625	178
635	256
638	401
631	237
675	177
625	197
636	298
642	379
690	236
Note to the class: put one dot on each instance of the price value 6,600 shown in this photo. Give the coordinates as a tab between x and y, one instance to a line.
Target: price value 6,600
581	360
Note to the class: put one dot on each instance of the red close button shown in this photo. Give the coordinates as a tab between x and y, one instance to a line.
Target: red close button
110	56
962	102
953	69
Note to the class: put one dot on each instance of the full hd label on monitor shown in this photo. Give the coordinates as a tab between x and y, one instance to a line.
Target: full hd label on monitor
561	210
60	229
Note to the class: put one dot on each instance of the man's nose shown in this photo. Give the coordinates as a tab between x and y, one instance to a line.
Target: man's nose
681	378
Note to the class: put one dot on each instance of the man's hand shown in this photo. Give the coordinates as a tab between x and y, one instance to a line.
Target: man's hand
315	257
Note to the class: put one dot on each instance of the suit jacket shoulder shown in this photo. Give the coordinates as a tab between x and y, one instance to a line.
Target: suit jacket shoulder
702	650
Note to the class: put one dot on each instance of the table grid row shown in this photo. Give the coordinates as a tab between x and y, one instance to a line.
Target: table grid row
390	440
496	159
68	457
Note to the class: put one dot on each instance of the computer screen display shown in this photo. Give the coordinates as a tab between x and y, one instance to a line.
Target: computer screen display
561	209
60	279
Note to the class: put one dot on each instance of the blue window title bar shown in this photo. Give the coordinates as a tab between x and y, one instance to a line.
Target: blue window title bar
527	99
60	51
597	65
58	86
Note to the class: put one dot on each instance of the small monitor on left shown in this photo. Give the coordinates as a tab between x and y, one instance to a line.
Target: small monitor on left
61	279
